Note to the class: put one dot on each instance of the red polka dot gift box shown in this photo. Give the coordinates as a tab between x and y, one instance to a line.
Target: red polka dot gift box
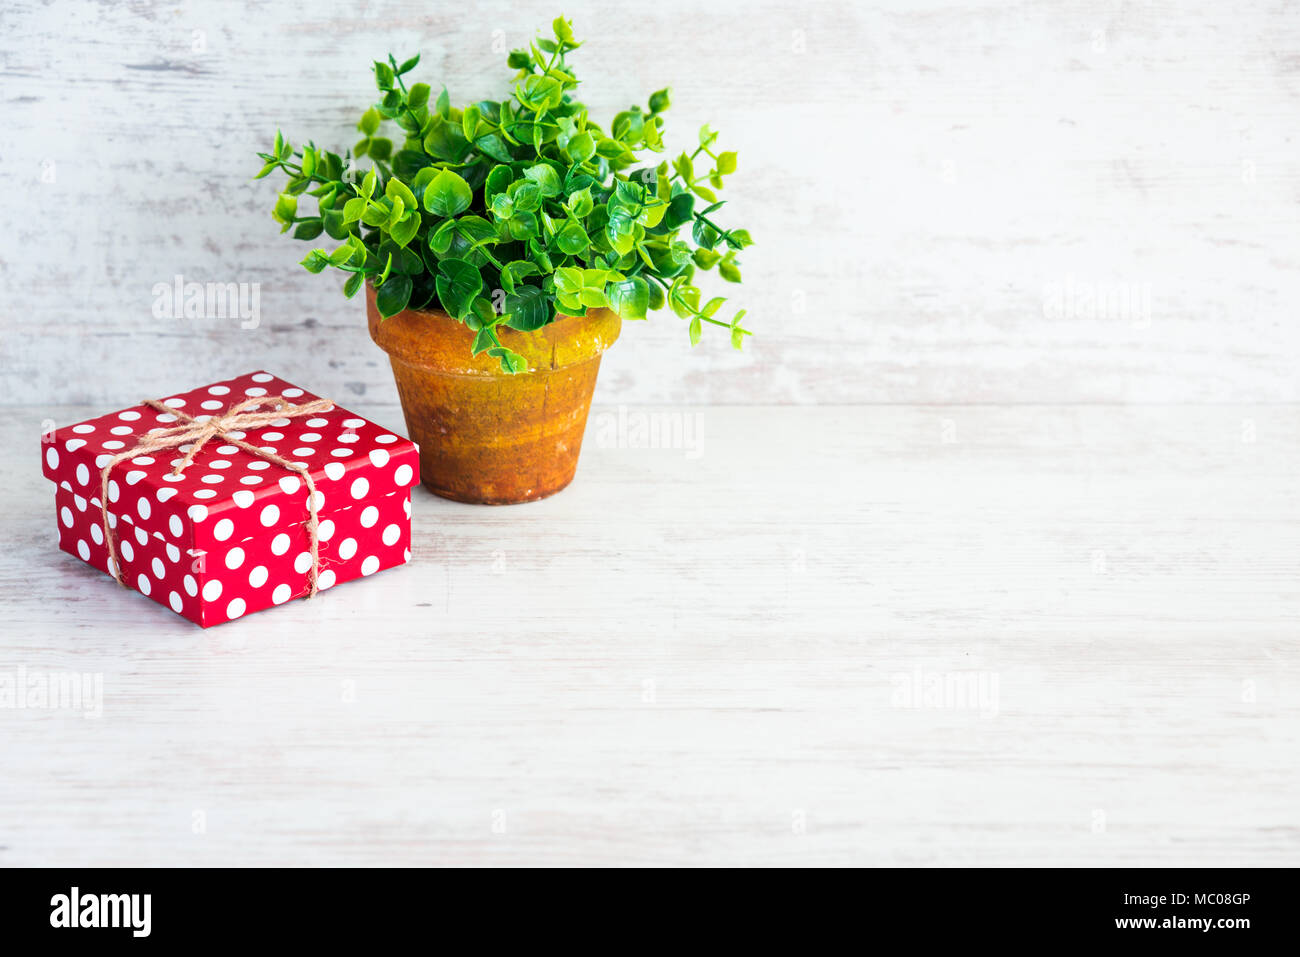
233	497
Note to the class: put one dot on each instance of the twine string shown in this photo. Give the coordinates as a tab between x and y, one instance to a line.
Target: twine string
240	417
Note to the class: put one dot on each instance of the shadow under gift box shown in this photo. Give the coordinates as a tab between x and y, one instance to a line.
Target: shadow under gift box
229	535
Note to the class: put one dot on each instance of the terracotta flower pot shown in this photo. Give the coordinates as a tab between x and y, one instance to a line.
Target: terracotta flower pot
486	436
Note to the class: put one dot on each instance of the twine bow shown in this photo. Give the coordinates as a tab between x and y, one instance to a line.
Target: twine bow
238	418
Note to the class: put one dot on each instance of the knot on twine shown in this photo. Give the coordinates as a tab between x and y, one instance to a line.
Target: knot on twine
240	417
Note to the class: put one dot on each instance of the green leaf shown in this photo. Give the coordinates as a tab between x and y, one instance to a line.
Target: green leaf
396	189
726	162
418	96
448	194
581	148
392	297
572	239
309	229
629	298
511	362
458	283
353	284
409	65
547	180
406	228
529	309
695	331
370	121
444	104
659	101
383	76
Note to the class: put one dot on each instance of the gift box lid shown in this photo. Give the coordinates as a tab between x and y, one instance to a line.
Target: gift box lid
226	494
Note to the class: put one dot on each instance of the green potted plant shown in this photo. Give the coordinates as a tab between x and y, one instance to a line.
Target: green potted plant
500	247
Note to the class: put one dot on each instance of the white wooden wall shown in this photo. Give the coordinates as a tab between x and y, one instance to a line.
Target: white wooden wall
918	174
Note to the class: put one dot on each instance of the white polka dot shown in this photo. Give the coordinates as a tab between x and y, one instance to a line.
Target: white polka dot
270	515
212	404
134	476
353	423
191	586
83	429
349	437
251	480
165	417
305	450
402	475
83	550
102	460
309	437
334	471
280	544
79	502
243	498
142	460
163	494
211	479
325	530
341	453
159	569
175	526
121	430
144	584
130	415
113	490
143	508
141	536
175	601
97	534
302	563
370	565
290	484
317	423
262	377
406	555
257	577
406	506
325	579
360	488
316	500
291	393
259	465
223	530
219	390
227	449
234	558
379	458
73	444
174	403
173	553
281	594
114	445
51	457
235	608
205	493
272	436
391	534
347	548
212	590
220	464
386	439
369	516
65	513
173	478
128	552
255	391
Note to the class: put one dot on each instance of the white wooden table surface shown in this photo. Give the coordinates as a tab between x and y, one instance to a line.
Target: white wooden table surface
704	655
